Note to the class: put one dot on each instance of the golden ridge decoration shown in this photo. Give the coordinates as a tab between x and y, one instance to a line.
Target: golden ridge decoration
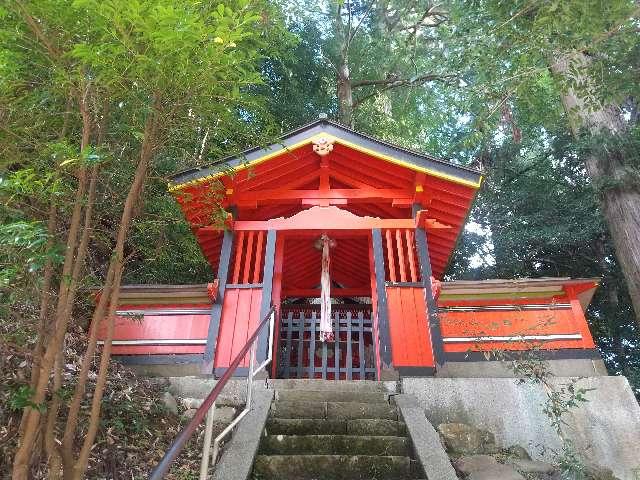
323	145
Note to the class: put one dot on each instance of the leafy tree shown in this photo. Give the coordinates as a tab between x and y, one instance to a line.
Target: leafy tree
371	48
583	56
539	215
298	85
136	80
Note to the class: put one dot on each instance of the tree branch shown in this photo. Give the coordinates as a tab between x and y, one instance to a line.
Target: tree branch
37	31
393	82
383	85
357	27
348	36
430	11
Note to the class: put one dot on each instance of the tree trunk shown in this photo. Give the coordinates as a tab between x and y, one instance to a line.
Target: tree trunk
345	94
66	449
620	199
32	415
621	208
68	285
115	269
45	296
344	88
77	271
54	459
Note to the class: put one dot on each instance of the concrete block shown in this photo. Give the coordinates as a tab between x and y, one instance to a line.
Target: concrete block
375	426
305	426
474	463
426	441
309	426
166	370
389	374
238	455
460	438
582	367
234	393
299	410
333	385
331	467
224	414
496	472
604	430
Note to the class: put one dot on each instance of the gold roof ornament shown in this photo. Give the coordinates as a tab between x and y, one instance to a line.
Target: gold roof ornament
323	145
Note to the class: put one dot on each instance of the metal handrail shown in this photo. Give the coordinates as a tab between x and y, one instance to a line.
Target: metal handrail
178	444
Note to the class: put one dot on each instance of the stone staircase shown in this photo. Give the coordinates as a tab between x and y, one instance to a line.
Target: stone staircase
334	431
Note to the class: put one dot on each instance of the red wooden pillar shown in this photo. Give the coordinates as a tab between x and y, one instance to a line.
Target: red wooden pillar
422	247
382	313
412	353
216	309
247	299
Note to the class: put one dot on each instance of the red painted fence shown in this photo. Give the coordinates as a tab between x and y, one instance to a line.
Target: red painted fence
156	331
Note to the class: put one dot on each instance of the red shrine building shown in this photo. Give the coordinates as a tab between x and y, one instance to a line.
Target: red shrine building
347	237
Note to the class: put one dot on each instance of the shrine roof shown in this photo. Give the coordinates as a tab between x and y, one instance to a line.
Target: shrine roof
359	174
306	134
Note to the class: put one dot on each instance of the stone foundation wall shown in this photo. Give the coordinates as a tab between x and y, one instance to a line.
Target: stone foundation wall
605	430
499	369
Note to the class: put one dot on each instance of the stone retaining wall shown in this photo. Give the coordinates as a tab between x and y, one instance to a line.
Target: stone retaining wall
605	430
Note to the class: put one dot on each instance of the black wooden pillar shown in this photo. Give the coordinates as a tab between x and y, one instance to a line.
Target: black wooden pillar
382	310
216	309
422	246
267	287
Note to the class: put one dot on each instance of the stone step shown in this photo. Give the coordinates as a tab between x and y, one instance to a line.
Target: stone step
198	387
334	445
333	410
331	396
353	410
316	410
307	426
223	413
332	467
333	385
376	426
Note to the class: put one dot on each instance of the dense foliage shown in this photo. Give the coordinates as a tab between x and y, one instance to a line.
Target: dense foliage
99	101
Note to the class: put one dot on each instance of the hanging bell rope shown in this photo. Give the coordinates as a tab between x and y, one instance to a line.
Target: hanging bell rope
324	243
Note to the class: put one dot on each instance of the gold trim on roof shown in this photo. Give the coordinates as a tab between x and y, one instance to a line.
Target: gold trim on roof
326	136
